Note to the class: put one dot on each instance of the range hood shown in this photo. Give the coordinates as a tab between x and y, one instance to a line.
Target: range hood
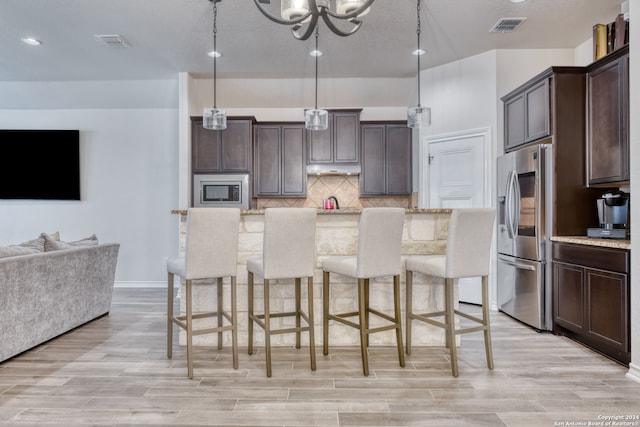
333	170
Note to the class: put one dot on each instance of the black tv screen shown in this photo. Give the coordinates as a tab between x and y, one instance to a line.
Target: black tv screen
40	164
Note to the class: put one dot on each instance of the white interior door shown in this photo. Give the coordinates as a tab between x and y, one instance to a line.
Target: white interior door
458	178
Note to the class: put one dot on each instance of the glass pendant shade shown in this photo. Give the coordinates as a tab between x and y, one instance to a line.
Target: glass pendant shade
293	9
347	6
418	117
214	119
316	119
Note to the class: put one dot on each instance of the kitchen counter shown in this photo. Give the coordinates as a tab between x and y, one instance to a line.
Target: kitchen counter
590	241
344	211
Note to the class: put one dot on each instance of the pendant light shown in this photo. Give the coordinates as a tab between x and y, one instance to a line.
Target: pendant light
214	118
418	116
316	119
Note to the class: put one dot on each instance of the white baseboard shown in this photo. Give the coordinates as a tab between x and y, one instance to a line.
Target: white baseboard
140	285
634	373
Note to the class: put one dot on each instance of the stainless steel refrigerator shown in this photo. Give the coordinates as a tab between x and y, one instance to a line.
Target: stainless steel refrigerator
525	219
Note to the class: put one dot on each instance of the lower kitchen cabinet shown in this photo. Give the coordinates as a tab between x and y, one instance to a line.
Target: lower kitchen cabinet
591	297
280	161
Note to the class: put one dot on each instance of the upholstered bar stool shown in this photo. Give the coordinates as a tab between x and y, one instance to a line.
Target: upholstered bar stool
378	254
211	251
467	255
288	253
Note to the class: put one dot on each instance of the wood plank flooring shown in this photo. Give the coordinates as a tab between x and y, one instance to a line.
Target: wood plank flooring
114	371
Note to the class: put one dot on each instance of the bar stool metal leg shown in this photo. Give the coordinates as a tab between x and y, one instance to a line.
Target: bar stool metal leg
298	310
267	327
364	331
234	321
409	309
219	311
250	314
169	315
485	319
325	313
451	325
189	330
312	341
397	317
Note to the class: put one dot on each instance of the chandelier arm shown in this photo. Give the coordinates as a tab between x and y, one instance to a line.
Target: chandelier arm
349	15
304	36
282	21
337	30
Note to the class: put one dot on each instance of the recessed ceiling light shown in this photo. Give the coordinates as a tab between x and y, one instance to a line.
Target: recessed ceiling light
214	54
316	53
517	1
31	41
418	52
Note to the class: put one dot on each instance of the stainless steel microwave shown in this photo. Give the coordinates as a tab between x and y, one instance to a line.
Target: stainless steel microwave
221	191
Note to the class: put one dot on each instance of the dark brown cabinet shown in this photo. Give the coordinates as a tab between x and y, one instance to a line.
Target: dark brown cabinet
224	151
340	143
591	297
386	159
608	119
280	153
526	113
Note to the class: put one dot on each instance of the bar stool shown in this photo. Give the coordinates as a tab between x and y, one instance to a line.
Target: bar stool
467	255
378	254
288	253
211	251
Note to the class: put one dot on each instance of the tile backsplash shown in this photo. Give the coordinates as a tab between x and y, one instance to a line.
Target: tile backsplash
345	188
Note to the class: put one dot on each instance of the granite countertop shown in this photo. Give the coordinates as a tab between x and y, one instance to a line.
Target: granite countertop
345	211
591	241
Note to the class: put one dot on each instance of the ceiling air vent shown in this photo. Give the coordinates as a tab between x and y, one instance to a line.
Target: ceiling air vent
507	25
112	40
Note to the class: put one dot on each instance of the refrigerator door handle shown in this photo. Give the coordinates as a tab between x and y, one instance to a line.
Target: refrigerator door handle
509	217
518	265
517	195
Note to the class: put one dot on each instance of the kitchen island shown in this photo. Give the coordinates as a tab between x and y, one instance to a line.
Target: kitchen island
425	232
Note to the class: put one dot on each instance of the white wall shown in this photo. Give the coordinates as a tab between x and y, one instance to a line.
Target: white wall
128	171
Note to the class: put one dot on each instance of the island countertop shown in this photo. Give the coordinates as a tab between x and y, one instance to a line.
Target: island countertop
344	211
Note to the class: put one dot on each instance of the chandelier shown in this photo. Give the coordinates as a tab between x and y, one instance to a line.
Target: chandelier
303	15
214	118
418	116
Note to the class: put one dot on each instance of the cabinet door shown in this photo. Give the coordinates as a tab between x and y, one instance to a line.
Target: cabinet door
568	305
398	160
537	111
608	115
205	148
236	146
514	122
320	147
294	172
607	304
346	136
372	178
268	166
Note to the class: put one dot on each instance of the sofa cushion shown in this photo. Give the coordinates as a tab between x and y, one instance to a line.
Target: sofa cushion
54	245
29	247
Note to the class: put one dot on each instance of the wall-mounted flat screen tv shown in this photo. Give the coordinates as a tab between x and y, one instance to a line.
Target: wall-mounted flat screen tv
40	164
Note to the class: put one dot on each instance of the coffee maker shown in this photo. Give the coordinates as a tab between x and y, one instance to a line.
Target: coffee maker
613	216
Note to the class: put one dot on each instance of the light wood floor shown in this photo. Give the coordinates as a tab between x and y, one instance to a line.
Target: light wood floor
114	371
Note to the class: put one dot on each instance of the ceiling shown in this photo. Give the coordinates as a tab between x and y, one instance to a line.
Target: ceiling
172	36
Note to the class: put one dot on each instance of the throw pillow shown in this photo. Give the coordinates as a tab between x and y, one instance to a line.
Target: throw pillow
54	245
29	247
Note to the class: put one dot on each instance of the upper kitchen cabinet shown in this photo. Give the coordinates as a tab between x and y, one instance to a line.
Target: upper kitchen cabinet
608	120
386	159
280	153
340	143
532	110
222	151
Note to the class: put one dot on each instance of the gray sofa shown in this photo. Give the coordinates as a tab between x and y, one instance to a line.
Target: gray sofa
43	295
